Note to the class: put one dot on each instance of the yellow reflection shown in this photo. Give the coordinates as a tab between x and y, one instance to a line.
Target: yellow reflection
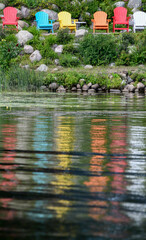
64	143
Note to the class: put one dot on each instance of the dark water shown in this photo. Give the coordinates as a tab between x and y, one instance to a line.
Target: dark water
72	166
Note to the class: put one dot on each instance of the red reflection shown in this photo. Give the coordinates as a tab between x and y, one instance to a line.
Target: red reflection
8	177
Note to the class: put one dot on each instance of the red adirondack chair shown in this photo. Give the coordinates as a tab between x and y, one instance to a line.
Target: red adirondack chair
10	17
120	17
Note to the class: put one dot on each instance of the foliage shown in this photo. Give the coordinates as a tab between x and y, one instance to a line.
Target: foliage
8	51
67	60
70	48
98	49
2	34
20	79
126	40
63	36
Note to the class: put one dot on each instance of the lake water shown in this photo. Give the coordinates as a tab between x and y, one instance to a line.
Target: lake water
72	166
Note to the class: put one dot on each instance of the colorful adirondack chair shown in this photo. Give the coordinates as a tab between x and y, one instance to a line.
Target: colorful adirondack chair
10	17
100	21
120	17
43	22
66	21
139	18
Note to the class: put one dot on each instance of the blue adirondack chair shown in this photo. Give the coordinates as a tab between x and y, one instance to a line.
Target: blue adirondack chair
43	22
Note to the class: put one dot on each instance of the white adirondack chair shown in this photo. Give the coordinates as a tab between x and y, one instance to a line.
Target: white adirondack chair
139	20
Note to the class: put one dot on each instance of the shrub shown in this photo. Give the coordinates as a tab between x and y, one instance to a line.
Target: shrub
8	51
70	48
67	60
63	36
99	49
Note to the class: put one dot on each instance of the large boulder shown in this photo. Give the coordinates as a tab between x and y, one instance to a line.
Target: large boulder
56	25
19	13
59	49
51	14
28	49
81	32
22	24
2	6
25	12
23	36
35	56
134	3
42	68
141	87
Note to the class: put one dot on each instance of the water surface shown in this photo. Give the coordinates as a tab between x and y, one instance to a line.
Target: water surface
72	166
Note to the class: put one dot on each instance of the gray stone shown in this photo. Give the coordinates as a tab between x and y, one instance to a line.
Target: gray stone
53	86
89	85
141	87
2	6
134	3
74	89
19	13
131	88
51	14
25	12
23	36
112	64
80	32
95	86
91	91
42	68
120	4
35	56
61	89
56	61
55	7
59	49
88	67
43	88
22	24
85	87
56	25
28	49
78	86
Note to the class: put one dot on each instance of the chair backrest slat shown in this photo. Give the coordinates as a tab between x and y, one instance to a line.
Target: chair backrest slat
100	18
65	18
42	18
10	14
120	14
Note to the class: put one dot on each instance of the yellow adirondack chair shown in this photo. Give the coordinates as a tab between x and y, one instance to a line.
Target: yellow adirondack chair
66	21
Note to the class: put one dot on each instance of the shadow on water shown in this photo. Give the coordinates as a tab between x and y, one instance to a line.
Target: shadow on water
72	167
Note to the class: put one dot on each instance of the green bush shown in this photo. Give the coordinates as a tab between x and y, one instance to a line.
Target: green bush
63	36
98	49
67	60
8	51
70	48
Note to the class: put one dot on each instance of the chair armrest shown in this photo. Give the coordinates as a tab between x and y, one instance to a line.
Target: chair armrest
74	20
113	17
128	18
2	17
108	20
51	21
92	20
17	18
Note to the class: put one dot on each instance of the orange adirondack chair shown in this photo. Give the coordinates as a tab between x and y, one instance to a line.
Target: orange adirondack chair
10	17
120	17
100	21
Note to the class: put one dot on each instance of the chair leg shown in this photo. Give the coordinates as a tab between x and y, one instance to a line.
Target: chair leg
113	28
